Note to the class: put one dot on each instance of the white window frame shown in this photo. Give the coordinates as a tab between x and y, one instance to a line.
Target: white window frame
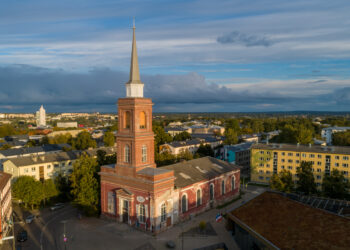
144	153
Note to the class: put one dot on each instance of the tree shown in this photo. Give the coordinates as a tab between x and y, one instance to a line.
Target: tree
230	137
84	141
63	186
185	155
282	182
341	138
205	150
160	137
45	140
304	135
306	182
335	185
108	139
182	136
5	146
28	190
6	130
85	185
232	124
49	190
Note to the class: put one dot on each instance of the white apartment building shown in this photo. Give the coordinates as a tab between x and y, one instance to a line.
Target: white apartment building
327	133
41	117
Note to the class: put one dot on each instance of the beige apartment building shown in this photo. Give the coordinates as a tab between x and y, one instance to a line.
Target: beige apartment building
46	166
267	159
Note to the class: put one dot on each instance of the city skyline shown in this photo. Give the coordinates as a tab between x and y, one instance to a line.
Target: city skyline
194	56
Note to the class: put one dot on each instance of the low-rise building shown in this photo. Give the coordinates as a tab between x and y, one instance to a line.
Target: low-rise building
269	159
5	204
45	166
67	124
177	147
275	221
327	133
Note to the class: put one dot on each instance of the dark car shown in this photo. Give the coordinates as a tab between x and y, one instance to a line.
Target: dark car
22	236
57	206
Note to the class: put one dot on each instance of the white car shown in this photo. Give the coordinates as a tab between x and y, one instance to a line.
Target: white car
57	206
30	218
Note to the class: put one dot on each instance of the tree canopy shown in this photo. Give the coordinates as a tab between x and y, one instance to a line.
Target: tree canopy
335	185
230	137
108	139
306	182
182	136
205	150
341	138
282	182
84	141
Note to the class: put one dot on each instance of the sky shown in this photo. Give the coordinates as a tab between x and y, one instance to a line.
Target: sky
194	56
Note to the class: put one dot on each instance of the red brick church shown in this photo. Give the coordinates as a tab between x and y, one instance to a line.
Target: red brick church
136	192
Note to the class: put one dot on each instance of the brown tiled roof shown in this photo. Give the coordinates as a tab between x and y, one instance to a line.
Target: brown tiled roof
4	178
205	168
292	225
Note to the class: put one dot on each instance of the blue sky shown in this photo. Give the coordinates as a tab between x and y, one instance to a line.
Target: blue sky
200	56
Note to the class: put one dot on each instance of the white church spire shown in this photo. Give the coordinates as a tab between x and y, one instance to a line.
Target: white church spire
134	87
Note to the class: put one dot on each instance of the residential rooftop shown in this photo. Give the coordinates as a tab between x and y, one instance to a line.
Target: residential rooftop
289	224
188	172
4	178
303	148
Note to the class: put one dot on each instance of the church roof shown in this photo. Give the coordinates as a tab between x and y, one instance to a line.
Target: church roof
205	168
152	171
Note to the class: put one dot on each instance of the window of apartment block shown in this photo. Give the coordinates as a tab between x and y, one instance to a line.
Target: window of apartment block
282	160
297	154
336	164
261	164
262	152
312	162
290	161
312	156
318	177
261	158
337	157
319	163
267	159
62	164
319	156
261	177
48	166
282	167
345	173
303	155
268	152
267	165
319	170
267	178
313	170
290	154
261	171
268	172
56	165
290	167
345	165
283	153
26	170
33	169
297	161
345	158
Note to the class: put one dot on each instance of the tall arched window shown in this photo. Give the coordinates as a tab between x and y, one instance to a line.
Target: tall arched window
184	203
127	153
233	182
163	213
211	191
199	197
127	118
142	119
142	213
144	153
223	187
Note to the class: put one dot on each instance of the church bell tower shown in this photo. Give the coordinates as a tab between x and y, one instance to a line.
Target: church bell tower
135	138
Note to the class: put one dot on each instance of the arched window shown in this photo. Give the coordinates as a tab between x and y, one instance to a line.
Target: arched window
127	118
211	191
142	119
199	197
233	183
163	213
184	203
142	213
144	153
223	187
127	153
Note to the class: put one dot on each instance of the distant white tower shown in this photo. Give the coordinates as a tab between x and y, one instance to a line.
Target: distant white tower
41	117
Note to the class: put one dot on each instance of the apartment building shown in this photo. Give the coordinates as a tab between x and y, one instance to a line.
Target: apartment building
267	159
5	204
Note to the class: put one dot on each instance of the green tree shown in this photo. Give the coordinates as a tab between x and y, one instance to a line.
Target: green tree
28	190
182	136
230	137
63	186
85	185
304	135
101	157
5	146
205	150
84	141
282	182
45	140
165	158
108	139
335	185
185	155
232	124
7	129
160	137
49	190
341	138
306	182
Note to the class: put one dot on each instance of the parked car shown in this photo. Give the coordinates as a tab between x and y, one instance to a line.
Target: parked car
22	236
30	218
57	206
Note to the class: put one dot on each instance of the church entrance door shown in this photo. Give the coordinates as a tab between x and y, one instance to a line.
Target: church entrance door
125	211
